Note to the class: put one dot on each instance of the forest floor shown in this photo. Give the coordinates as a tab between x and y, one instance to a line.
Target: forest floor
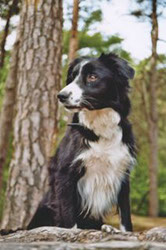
140	223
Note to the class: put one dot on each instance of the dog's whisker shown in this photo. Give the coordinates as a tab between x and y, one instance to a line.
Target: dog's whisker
90	98
86	102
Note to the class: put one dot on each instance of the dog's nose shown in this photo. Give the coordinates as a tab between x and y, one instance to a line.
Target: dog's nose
63	96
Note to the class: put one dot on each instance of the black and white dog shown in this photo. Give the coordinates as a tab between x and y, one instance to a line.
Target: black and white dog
90	172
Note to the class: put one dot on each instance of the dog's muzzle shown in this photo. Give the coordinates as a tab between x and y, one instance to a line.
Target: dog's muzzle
63	96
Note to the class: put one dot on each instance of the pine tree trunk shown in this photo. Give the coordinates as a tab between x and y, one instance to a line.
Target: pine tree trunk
35	126
73	46
153	126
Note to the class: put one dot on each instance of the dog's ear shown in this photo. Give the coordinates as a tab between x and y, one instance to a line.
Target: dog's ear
117	64
125	69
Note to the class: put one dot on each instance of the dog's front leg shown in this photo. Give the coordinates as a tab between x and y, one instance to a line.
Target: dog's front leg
124	206
109	229
65	202
57	207
124	211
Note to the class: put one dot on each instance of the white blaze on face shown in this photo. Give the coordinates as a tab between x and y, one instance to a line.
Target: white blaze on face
75	93
73	89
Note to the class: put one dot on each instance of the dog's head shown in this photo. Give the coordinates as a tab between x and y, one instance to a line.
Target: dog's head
97	83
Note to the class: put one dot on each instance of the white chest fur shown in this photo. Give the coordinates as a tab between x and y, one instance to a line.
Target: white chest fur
106	162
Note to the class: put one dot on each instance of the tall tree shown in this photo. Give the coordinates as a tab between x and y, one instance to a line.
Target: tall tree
7	10
35	126
153	117
83	16
73	45
151	112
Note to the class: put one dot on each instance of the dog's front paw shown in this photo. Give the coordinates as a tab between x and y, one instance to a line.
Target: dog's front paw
109	229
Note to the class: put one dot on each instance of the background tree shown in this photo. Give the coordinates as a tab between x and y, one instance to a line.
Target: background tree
150	12
153	118
7	112
73	45
7	10
35	126
140	103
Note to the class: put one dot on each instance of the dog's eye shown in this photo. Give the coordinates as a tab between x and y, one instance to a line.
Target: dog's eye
92	78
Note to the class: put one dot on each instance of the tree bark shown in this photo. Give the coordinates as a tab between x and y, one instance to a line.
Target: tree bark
153	126
73	45
35	126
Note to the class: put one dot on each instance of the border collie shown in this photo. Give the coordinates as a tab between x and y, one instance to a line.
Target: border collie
89	173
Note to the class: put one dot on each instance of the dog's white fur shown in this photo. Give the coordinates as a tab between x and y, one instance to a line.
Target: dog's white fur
106	162
75	93
73	89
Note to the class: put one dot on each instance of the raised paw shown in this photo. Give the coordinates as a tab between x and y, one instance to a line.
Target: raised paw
109	229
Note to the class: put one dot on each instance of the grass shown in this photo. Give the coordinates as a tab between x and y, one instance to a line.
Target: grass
140	223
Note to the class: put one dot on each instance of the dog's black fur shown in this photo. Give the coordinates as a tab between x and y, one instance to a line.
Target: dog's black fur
61	205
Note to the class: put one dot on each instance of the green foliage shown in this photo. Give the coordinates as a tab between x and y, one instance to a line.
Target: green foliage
139	180
161	182
5	5
143	9
3	76
96	16
123	53
137	13
96	43
5	174
139	185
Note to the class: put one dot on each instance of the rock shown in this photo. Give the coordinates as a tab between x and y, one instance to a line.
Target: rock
156	234
50	238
